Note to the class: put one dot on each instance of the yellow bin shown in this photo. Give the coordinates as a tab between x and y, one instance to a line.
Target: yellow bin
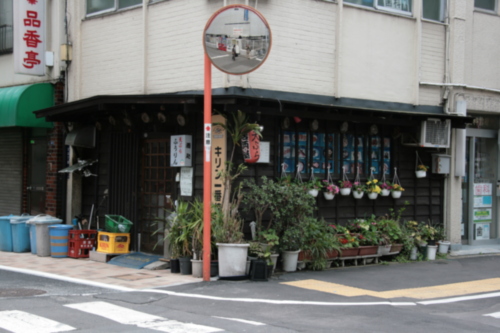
112	242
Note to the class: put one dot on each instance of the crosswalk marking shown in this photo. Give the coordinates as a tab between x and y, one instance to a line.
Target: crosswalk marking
494	315
22	322
131	317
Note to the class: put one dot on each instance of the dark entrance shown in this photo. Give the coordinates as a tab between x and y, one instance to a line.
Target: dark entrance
157	189
37	175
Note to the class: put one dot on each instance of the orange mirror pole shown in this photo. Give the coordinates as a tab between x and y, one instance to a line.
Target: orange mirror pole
207	168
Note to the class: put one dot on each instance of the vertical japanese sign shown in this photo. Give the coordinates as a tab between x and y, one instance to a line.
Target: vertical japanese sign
181	150
219	154
29	37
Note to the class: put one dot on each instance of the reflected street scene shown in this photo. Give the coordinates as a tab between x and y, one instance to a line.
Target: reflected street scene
237	39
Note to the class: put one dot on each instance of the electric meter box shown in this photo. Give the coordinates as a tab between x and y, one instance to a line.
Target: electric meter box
441	164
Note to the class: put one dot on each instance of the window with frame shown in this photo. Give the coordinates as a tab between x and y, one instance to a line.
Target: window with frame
485	4
396	6
102	6
6	26
434	10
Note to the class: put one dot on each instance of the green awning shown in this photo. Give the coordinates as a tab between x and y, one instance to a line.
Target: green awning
18	103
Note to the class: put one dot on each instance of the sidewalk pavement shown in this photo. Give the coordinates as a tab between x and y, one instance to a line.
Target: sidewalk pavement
113	276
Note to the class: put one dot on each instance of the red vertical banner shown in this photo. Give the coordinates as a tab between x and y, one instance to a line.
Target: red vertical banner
250	144
29	37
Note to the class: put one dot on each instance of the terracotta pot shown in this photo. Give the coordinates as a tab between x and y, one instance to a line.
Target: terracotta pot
396	247
349	252
368	250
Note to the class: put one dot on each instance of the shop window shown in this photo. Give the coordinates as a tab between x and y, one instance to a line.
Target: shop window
102	6
6	23
434	10
396	6
485	4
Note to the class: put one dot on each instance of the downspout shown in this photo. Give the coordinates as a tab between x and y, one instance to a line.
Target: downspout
225	76
144	46
446	94
418	56
336	53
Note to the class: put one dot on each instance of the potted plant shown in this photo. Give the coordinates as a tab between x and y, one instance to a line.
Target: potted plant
421	171
444	245
372	189
229	236
349	244
367	234
291	242
320	243
329	190
413	238
396	191
358	190
385	188
345	187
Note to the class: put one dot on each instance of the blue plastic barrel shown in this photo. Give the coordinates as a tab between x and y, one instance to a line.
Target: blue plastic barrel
59	238
20	233
41	233
5	234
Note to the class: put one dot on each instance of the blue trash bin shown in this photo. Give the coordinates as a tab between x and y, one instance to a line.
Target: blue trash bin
41	224
5	234
32	238
59	238
20	233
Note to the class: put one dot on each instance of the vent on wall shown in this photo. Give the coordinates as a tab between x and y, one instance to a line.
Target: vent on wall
435	133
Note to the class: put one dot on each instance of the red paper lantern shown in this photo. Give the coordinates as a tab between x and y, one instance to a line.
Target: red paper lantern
250	144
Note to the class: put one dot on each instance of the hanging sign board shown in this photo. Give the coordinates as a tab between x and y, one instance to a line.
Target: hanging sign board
219	156
181	150
187	182
29	37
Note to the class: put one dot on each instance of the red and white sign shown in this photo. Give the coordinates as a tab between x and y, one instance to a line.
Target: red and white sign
29	37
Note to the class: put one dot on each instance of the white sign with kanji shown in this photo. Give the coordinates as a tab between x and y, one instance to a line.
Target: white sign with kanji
29	37
181	147
483	189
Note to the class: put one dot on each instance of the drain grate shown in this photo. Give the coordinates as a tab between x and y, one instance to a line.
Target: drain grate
20	292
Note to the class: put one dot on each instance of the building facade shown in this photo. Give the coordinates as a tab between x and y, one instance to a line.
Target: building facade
361	87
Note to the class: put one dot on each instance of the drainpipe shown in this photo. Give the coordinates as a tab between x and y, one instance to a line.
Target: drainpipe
144	46
336	52
418	37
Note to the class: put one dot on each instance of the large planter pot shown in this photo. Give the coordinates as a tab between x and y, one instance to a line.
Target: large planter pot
349	252
444	246
197	268
384	249
368	250
214	268
313	192
303	255
372	195
232	259
185	264
290	259
332	254
396	248
385	192
420	173
328	196
345	191
396	194
357	195
175	266
431	252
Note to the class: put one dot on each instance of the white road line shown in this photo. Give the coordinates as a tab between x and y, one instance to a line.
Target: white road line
460	299
221	56
494	315
126	316
256	323
22	322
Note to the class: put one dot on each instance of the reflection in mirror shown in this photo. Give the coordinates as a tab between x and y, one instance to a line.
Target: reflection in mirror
237	39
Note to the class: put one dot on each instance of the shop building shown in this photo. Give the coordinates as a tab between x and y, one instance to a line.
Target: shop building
348	84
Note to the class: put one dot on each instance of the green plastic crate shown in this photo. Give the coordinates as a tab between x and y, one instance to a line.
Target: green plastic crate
117	223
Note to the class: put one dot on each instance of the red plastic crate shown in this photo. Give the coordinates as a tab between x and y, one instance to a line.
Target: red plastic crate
81	242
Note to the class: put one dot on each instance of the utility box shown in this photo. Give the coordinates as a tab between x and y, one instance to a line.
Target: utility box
441	164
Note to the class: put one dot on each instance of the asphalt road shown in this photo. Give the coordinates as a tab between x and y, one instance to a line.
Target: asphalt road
373	298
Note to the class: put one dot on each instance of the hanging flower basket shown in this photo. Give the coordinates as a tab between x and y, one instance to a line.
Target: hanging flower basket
385	186
385	192
329	189
397	189
372	186
345	191
420	168
396	194
328	196
421	173
372	195
358	188
358	194
345	184
313	192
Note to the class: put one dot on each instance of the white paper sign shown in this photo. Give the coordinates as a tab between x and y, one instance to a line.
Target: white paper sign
186	182
264	152
181	150
483	189
29	37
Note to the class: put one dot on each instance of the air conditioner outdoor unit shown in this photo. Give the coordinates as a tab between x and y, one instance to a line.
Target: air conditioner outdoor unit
435	133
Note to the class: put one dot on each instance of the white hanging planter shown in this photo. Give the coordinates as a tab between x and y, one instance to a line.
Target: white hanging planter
313	192
358	195
345	191
420	173
372	195
385	192
396	194
328	196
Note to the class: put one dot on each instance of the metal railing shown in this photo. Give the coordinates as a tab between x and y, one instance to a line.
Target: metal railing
6	39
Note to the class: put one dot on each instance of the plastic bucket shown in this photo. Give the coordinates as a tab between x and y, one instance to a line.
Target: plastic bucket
20	233
42	223
59	237
5	234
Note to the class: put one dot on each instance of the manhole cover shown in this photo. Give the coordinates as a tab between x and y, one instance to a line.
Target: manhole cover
20	292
